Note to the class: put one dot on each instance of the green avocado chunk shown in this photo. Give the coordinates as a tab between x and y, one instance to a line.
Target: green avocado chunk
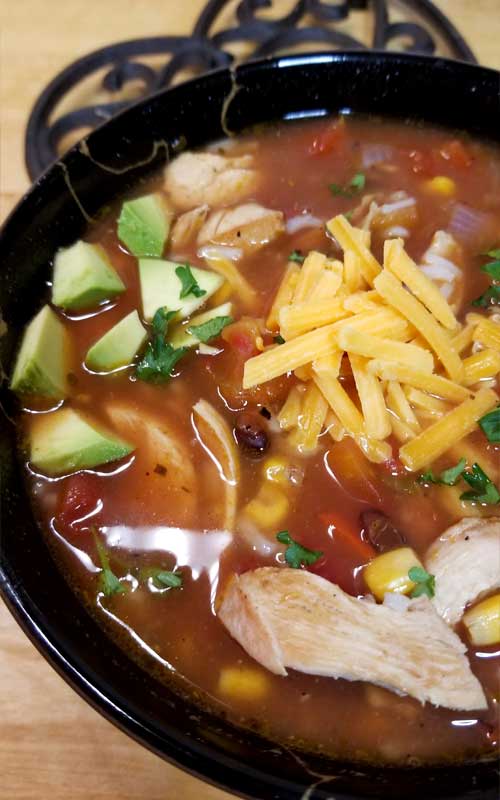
64	442
180	334
84	277
161	287
144	225
42	362
119	346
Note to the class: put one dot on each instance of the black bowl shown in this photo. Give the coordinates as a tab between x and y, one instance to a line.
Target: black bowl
57	211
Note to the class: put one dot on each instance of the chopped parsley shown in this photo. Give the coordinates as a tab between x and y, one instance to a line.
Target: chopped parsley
490	425
109	584
296	555
355	186
160	357
425	583
492	294
296	256
172	580
448	477
209	329
483	489
189	282
278	339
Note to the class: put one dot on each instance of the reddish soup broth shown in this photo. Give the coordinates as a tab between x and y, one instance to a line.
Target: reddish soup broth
147	519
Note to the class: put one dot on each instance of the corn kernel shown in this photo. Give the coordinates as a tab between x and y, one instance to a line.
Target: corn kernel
389	572
268	508
441	185
275	469
483	621
243	683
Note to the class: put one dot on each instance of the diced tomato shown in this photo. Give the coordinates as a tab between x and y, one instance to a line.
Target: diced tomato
456	154
346	537
353	472
241	336
424	163
81	497
331	138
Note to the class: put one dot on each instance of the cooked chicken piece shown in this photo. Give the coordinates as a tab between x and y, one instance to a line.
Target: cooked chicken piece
442	263
391	216
171	486
465	561
249	227
292	618
186	226
194	179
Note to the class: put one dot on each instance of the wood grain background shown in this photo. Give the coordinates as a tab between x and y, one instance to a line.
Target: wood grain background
52	745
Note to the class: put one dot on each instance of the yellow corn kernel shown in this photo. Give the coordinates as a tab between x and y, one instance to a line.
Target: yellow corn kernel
483	621
243	683
389	572
275	469
441	185
268	508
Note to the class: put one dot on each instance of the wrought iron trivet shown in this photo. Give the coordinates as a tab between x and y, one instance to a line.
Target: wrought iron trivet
425	29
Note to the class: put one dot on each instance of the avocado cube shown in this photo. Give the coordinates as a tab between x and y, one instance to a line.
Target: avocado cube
42	363
161	287
144	225
119	346
181	337
63	442
84	277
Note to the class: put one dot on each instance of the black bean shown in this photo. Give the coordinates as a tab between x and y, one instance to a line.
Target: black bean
380	531
250	435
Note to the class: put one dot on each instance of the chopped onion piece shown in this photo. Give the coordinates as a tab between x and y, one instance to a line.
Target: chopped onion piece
376	154
398	602
389	208
467	223
208	349
219	251
301	221
398	230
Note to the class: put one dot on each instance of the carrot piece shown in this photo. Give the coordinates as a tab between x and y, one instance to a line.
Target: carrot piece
347	535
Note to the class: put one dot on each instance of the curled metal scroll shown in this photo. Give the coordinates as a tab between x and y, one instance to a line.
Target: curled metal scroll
308	22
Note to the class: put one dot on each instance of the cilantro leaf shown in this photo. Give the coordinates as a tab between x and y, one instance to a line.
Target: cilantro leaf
355	186
278	339
492	294
448	477
172	580
109	584
188	281
296	555
490	297
425	583
490	425
483	489
209	329
159	357
492	269
493	253
296	256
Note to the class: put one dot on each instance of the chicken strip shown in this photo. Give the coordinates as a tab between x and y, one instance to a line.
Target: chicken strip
465	561
441	262
195	179
187	226
248	227
292	618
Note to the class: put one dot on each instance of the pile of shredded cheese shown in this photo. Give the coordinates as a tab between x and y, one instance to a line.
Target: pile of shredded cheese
420	375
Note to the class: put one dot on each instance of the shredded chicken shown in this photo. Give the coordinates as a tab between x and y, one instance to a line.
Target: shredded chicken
292	618
440	262
391	216
187	225
195	179
249	227
465	561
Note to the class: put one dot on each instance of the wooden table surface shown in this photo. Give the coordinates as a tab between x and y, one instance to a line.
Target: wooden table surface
52	745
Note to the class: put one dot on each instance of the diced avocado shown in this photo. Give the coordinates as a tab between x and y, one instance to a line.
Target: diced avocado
119	346
42	363
64	442
180	334
160	286
84	277
144	225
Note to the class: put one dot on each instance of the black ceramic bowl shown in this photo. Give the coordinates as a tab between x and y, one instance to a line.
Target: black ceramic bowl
54	213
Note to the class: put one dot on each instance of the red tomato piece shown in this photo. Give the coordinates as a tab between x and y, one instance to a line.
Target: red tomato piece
81	496
457	154
329	139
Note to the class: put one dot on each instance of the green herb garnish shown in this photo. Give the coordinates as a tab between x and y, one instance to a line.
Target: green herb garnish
209	329
296	256
109	584
355	186
278	339
448	477
296	555
172	580
425	583
483	489
490	425
160	357
189	282
492	294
